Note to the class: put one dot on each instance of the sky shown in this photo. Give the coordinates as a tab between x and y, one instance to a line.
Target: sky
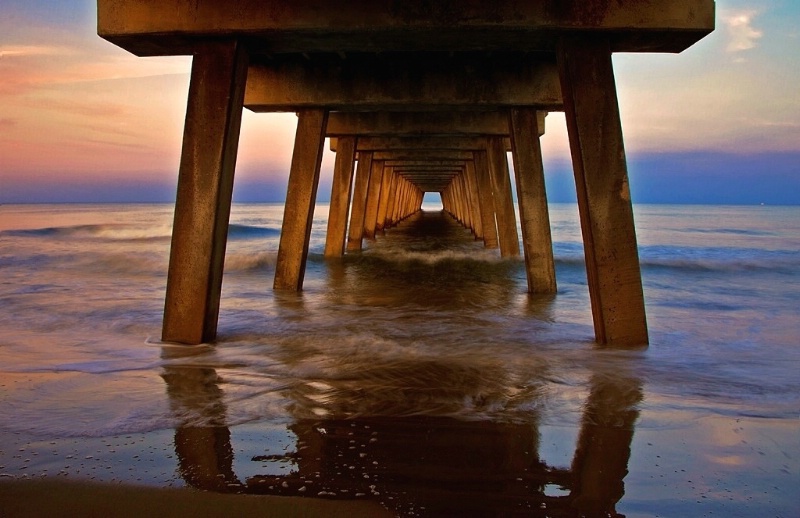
84	121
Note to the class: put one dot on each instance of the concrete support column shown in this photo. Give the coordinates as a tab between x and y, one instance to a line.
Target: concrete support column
357	211
503	199
397	200
389	221
403	201
604	201
407	200
456	202
205	186
373	198
463	202
537	243
383	204
341	192
301	196
474	197
486	199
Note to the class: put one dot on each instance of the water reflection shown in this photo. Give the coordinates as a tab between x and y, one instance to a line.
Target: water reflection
402	385
202	442
430	465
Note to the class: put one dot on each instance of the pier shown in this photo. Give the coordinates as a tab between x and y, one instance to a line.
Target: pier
416	97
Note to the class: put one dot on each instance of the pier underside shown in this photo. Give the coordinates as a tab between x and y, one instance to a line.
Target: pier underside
416	98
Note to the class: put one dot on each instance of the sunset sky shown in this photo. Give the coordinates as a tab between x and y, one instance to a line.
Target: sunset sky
83	121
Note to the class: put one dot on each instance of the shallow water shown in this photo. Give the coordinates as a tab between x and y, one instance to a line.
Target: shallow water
418	373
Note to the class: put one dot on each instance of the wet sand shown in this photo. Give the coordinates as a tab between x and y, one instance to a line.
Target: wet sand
47	498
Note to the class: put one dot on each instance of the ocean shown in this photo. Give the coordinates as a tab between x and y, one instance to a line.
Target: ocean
418	374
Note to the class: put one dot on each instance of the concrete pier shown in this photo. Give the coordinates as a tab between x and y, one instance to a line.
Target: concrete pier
344	67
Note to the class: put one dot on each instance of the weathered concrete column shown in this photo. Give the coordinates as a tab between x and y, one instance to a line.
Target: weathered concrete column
341	192
486	199
537	243
456	202
503	199
407	200
463	201
356	233
373	198
383	203
403	201
301	196
472	186
205	186
388	221
604	200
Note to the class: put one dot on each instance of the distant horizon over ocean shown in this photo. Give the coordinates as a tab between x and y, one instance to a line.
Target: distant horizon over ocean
680	177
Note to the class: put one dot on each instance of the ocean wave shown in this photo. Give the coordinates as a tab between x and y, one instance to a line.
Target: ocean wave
720	259
238	231
250	262
730	231
132	232
436	257
700	259
106	231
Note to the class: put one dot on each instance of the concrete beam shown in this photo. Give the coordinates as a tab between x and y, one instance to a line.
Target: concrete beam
403	81
422	143
423	124
168	27
397	124
418	154
426	163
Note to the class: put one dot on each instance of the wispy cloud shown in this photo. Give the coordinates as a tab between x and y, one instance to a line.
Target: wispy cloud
741	33
23	51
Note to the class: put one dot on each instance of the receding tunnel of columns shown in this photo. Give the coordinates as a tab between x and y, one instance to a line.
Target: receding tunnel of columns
325	60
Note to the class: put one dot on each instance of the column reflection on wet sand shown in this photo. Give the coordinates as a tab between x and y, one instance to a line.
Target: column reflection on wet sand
355	443
202	441
424	433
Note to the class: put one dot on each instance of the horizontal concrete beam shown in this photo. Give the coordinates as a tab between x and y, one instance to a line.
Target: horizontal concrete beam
421	143
417	154
431	169
403	81
169	27
433	123
424	163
